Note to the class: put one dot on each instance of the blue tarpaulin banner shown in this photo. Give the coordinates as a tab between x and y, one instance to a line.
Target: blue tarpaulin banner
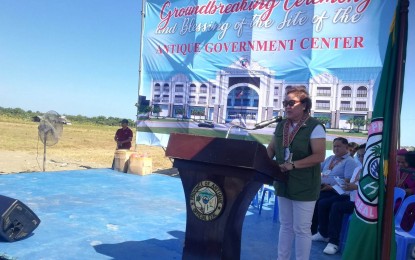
208	65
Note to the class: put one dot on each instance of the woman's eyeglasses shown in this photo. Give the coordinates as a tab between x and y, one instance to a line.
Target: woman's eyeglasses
290	103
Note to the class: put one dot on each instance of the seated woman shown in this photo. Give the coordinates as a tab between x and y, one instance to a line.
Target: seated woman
401	176
353	147
408	183
340	208
405	179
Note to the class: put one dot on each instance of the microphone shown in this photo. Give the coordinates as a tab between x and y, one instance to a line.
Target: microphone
268	122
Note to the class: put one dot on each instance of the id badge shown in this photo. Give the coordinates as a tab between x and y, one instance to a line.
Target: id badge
287	154
326	172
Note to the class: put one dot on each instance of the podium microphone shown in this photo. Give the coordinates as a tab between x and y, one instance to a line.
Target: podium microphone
268	122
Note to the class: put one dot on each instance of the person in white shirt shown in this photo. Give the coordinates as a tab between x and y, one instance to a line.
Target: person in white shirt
342	209
340	165
298	146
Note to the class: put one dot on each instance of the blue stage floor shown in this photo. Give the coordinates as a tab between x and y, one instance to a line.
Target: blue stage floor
104	214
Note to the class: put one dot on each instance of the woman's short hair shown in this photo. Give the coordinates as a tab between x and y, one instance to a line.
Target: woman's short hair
402	152
353	145
302	94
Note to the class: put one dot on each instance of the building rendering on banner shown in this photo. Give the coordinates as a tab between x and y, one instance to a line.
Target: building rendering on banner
251	92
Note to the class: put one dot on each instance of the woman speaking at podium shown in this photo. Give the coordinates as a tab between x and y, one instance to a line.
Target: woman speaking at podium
299	146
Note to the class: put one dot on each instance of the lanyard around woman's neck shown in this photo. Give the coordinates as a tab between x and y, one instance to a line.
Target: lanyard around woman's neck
289	137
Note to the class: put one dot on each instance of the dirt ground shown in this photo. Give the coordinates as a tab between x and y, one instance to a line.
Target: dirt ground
21	162
18	161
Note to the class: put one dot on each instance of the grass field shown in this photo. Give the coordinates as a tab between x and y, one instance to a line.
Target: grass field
91	145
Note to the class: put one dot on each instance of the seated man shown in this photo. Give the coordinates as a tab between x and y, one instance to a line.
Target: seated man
340	165
341	208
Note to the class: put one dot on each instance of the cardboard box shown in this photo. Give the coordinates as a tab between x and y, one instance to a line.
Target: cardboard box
120	160
140	165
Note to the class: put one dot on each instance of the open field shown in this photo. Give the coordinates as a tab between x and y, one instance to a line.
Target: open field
81	146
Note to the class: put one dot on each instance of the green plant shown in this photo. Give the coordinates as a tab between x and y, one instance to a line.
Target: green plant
359	122
157	110
350	122
197	112
18	113
145	109
324	120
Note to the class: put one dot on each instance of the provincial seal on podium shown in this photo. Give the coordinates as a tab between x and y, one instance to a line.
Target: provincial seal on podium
206	200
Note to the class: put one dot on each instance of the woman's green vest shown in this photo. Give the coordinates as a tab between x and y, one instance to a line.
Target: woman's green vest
303	184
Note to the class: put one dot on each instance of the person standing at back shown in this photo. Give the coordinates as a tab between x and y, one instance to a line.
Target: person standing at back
299	146
124	136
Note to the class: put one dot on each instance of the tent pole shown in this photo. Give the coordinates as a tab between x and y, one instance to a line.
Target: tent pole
143	15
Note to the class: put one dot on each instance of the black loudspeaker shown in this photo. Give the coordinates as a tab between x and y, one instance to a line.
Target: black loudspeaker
17	221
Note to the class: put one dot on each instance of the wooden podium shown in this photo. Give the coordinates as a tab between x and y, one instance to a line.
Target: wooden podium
220	178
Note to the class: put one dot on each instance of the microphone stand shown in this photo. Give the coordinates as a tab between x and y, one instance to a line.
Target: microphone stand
232	126
256	126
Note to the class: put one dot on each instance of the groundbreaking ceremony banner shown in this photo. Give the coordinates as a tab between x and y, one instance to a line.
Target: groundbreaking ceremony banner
210	65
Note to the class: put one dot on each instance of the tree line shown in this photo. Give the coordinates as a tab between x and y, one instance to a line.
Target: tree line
29	115
353	122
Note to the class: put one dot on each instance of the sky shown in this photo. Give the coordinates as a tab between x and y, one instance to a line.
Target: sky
81	57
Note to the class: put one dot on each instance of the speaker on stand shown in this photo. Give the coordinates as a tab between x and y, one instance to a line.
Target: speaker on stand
17	221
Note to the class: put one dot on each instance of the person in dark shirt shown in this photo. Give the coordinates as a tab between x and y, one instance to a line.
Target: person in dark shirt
124	136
